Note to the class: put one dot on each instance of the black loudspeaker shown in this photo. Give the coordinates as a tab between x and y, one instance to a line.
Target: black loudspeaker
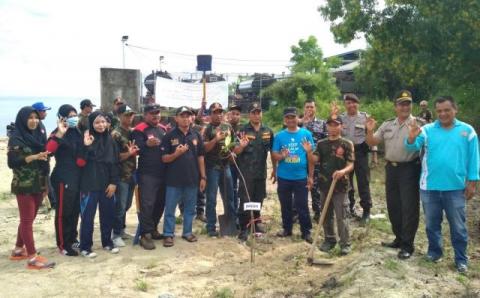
204	62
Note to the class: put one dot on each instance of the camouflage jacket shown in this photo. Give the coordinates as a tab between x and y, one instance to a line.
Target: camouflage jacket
318	128
218	158
253	159
334	155
129	165
30	177
82	122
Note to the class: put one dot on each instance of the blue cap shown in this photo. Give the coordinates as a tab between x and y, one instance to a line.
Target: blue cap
39	106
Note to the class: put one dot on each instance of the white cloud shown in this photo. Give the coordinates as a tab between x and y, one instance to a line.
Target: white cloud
53	47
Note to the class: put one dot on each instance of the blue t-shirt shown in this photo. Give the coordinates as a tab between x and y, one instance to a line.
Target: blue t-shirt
295	166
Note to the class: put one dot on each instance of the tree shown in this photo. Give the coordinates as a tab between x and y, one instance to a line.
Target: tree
310	79
426	46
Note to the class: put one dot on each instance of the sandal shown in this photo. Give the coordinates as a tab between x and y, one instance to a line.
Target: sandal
168	241
19	254
40	262
190	238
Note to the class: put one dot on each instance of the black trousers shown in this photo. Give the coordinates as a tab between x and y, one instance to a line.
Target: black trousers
67	212
402	191
257	191
152	202
361	171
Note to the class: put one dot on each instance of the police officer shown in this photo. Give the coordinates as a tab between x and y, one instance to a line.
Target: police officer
354	130
319	131
255	142
402	174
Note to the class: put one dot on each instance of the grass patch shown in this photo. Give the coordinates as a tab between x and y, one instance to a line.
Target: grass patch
382	225
391	265
223	293
141	285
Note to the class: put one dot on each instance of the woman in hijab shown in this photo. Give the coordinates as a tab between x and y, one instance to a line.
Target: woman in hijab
98	184
29	161
66	143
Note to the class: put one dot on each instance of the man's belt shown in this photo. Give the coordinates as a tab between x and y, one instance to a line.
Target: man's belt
404	163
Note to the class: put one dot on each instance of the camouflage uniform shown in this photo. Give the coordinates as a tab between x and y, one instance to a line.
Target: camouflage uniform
30	177
82	122
253	166
129	165
318	128
217	158
334	155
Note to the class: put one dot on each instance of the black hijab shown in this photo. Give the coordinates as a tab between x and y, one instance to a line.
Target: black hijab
103	145
25	137
73	136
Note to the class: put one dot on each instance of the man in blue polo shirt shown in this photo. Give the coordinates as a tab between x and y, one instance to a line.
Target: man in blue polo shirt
450	171
295	175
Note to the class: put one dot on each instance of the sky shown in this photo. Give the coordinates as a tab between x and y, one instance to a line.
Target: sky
56	48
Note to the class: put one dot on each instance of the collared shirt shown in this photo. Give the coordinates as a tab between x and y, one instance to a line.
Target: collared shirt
122	137
354	127
253	159
451	156
318	128
294	166
150	158
392	133
183	171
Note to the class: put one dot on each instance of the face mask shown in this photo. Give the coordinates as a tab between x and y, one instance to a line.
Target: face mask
72	122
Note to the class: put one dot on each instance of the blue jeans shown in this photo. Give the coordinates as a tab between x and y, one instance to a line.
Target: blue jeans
123	202
453	202
218	179
174	195
294	191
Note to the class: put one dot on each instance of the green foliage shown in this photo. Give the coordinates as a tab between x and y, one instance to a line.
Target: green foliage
223	293
429	47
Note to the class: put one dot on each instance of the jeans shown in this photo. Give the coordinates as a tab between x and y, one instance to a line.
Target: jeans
218	178
296	192
123	202
453	203
174	195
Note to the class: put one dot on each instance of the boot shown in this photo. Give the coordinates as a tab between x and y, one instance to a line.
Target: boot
146	242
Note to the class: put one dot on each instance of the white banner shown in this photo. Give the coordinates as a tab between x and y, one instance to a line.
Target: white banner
171	93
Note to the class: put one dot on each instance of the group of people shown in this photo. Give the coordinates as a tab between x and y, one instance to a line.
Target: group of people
101	159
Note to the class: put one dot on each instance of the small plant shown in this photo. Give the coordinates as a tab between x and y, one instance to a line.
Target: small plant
223	293
391	265
141	284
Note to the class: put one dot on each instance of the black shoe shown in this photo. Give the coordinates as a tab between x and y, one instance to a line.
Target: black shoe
284	234
308	238
70	252
213	233
353	212
316	217
365	220
243	236
403	254
393	244
157	236
327	246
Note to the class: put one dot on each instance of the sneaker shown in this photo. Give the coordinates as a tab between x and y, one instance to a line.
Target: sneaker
213	233
39	262
112	250
69	252
201	217
433	259
243	236
283	234
76	245
345	250
146	242
316	217
462	268
88	254
308	238
126	236
365	220
260	228
327	246
118	242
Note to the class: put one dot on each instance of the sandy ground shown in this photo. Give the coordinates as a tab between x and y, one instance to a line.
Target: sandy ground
221	267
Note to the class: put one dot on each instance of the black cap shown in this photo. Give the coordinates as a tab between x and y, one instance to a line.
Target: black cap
334	119
215	107
183	109
254	106
86	103
403	96
290	111
124	109
235	107
351	96
151	108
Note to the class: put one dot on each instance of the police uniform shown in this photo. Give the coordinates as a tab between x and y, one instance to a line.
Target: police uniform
318	128
354	130
402	172
253	166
